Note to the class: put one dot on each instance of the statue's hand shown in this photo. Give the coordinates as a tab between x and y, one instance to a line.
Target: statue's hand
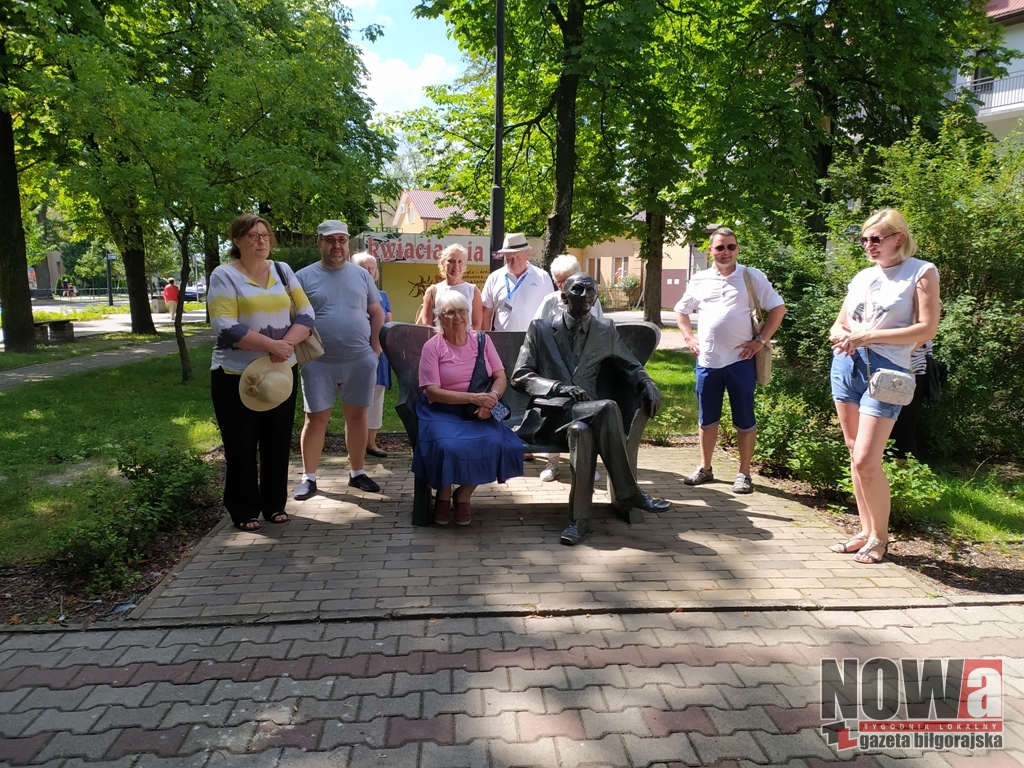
576	393
651	398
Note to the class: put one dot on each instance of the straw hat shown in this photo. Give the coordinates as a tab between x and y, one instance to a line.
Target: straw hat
265	384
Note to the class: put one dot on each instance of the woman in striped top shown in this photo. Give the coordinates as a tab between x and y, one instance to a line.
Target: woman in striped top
250	309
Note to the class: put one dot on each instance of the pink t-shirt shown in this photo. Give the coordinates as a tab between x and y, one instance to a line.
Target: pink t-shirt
450	367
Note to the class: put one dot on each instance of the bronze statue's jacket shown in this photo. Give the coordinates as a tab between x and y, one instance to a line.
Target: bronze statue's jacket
543	363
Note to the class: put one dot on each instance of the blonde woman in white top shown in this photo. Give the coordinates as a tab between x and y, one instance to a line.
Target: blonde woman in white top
890	308
452	265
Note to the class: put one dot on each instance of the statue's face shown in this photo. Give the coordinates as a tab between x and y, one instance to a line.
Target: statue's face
579	293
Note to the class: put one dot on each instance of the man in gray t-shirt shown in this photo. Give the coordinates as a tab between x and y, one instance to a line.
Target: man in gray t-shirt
349	317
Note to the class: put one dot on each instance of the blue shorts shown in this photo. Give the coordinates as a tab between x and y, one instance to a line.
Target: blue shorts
849	379
352	381
712	384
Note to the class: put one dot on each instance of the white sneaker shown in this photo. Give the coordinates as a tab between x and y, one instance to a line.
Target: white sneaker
549	473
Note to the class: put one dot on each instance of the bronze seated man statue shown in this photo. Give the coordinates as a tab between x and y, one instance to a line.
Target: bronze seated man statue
558	367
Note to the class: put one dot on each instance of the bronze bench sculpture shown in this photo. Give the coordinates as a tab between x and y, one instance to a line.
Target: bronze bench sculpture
403	343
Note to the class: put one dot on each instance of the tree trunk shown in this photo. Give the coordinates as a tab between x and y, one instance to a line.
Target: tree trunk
211	259
652	251
816	221
127	232
19	333
186	268
560	218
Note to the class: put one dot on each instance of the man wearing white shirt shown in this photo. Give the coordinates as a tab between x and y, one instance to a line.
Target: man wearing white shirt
512	294
725	347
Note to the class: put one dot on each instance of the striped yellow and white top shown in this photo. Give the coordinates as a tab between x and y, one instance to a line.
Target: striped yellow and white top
239	305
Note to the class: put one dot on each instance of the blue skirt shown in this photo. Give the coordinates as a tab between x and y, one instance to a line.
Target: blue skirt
453	449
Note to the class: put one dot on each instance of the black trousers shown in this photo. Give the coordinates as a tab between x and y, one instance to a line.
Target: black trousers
251	486
597	425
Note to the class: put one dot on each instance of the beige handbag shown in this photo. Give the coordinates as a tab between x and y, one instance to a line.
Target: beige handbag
762	358
312	347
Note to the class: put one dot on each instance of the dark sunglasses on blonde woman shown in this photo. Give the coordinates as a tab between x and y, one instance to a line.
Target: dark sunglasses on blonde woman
876	239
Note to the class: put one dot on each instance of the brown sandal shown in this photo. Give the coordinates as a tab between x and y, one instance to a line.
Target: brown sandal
847	548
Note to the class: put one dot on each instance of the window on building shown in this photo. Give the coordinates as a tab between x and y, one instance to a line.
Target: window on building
621	266
594	269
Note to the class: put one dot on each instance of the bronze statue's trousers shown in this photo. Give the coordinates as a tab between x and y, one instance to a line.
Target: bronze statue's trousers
597	424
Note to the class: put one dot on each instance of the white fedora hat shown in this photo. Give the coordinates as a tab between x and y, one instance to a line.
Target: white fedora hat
265	384
514	241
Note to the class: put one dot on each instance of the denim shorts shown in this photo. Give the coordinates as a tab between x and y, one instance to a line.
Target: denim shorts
712	384
849	379
352	381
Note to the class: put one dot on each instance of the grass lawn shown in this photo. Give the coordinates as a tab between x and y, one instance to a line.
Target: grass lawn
674	372
987	505
60	439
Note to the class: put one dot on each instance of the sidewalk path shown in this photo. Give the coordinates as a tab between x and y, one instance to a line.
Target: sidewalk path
113	358
351	555
650	689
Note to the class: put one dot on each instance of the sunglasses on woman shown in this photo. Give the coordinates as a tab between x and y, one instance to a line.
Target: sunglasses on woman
875	239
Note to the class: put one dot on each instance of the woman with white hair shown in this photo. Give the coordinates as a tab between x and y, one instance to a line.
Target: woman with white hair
375	413
452	266
890	308
460	442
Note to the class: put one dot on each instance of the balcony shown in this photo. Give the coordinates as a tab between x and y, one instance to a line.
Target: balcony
997	95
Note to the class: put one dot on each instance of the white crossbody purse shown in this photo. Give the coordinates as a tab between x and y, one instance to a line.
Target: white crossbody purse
885	385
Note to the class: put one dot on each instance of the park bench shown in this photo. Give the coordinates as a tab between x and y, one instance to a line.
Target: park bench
54	331
403	343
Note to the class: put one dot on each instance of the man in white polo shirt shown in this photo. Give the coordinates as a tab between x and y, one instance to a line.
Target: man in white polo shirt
512	294
725	346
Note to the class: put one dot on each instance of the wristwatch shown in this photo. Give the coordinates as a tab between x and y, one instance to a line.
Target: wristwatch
760	339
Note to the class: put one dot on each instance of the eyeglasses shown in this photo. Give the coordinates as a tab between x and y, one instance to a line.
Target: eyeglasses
256	237
335	240
450	313
875	239
729	247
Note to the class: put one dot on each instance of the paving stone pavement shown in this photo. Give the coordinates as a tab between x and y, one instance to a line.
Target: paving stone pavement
653	689
348	554
349	638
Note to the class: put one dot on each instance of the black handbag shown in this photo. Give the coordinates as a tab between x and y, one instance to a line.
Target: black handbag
935	378
480	381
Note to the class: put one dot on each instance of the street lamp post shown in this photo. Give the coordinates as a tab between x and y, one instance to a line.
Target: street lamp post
497	193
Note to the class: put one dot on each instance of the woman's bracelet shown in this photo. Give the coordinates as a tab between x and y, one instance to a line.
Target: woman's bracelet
496	393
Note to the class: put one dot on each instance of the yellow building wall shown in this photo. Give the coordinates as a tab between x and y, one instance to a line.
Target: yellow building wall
406	283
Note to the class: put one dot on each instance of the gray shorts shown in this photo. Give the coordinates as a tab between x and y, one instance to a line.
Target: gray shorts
352	381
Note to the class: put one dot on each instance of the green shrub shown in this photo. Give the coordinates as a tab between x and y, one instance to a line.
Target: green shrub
164	488
982	408
669	423
795	438
913	486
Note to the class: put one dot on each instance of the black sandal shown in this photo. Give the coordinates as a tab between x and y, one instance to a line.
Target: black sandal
279	517
248	525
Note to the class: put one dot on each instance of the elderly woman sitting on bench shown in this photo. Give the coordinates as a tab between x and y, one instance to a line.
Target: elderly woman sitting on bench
460	441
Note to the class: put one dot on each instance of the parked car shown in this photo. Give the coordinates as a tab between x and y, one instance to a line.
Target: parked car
191	293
